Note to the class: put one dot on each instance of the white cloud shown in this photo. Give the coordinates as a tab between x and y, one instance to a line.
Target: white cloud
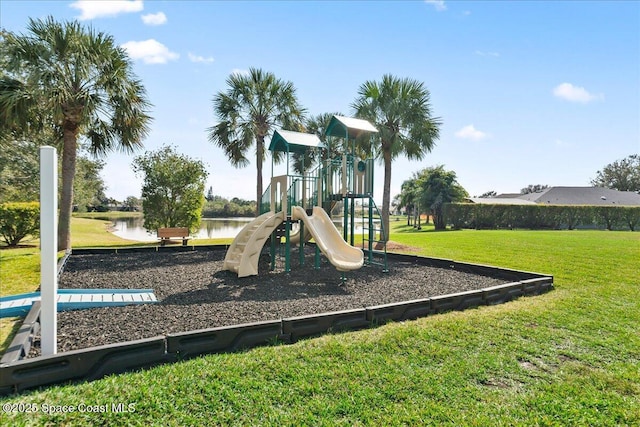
240	72
470	132
572	93
150	51
97	9
562	143
198	58
438	4
482	53
154	18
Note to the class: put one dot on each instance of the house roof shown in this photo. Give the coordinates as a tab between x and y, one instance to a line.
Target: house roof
508	196
293	142
583	196
500	201
341	126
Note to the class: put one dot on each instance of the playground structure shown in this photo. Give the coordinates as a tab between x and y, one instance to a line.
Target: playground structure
343	182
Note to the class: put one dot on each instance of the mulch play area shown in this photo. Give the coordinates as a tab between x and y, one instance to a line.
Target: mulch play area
194	292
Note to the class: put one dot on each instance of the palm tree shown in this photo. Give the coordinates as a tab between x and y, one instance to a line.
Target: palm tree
251	108
408	196
401	110
330	147
84	84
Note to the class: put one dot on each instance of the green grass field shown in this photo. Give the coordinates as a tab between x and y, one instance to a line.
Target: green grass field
567	358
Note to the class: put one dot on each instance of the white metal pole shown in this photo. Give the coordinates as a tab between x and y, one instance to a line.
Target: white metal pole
48	249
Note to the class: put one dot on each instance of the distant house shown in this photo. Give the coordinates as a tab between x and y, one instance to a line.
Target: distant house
592	196
500	201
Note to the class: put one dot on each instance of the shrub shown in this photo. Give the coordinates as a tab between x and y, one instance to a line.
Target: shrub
631	216
536	217
19	220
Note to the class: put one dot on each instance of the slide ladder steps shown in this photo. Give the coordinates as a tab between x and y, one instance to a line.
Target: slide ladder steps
243	254
369	237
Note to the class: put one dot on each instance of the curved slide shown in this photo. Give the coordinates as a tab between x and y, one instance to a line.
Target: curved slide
342	255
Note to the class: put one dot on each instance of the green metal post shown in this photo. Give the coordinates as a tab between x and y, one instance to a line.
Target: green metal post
287	246
353	220
301	242
317	260
345	225
372	232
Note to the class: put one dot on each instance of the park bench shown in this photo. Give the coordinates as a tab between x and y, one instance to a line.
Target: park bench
166	234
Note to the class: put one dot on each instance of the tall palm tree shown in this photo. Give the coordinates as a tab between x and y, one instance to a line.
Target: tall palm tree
401	110
329	149
251	108
84	84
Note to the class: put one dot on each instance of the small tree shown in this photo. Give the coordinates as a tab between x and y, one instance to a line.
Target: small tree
210	195
437	187
488	194
173	189
132	204
534	188
622	175
409	198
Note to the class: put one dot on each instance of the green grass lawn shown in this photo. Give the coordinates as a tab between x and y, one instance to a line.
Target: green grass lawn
110	215
567	358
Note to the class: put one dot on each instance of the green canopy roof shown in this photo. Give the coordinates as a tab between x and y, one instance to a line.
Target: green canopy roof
343	126
293	142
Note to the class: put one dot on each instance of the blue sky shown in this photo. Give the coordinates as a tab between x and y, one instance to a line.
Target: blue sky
536	92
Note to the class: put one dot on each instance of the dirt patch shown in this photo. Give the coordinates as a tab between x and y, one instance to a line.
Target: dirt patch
399	247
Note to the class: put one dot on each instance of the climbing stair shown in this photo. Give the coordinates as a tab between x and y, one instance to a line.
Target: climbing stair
244	253
376	247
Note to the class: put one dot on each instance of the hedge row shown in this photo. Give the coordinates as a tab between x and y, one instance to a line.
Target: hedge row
19	220
536	217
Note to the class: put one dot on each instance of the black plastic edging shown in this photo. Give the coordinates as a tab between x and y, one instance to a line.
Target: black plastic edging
407	310
87	364
21	343
223	339
318	324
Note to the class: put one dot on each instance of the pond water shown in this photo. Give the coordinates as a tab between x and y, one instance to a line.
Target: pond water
210	228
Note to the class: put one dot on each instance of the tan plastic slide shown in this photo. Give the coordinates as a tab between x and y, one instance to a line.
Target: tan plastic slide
342	255
244	253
